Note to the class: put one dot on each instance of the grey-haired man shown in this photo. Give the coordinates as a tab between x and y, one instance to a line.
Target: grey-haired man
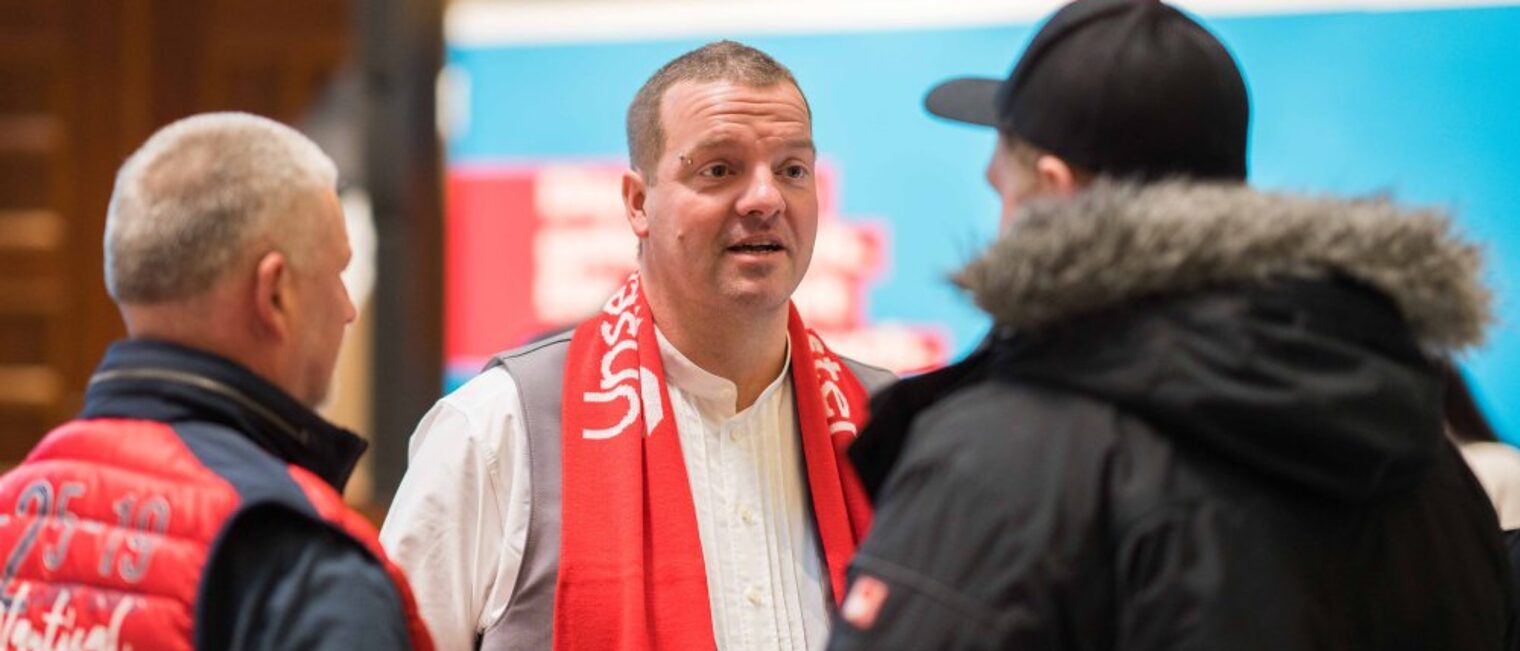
195	501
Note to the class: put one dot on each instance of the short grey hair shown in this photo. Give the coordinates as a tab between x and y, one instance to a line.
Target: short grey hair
188	202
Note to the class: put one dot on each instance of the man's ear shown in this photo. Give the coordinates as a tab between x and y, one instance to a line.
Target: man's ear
271	289
1056	178
635	191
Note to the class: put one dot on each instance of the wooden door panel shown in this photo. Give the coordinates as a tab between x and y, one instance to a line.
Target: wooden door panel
82	84
33	292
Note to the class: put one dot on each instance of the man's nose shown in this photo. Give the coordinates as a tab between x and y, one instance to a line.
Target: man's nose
761	197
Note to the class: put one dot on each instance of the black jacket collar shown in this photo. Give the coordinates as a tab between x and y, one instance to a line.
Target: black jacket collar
1316	385
171	383
876	451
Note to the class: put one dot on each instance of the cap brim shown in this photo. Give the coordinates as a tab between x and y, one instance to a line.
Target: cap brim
967	99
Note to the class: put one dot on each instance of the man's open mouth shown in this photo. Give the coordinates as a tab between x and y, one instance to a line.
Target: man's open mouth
756	247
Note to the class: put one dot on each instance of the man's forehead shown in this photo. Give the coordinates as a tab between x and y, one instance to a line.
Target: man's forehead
737	138
685	101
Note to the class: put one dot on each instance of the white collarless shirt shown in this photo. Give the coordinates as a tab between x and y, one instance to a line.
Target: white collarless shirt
459	520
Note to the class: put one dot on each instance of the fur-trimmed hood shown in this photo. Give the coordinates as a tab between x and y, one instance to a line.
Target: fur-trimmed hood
1291	336
1120	242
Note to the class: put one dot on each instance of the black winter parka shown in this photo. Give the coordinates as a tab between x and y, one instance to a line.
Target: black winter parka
1207	420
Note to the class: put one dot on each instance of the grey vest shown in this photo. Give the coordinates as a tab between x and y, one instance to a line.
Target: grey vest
539	371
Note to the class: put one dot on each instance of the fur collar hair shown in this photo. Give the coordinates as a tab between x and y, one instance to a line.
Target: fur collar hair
1118	242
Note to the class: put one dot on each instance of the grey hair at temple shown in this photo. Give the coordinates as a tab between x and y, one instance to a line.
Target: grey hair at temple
192	199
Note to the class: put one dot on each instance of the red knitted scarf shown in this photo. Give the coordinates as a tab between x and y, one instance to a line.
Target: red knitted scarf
631	575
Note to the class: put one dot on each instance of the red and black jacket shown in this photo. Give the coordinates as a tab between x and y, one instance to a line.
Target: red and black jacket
193	505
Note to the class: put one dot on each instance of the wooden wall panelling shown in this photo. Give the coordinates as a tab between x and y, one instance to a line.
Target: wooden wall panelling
33	305
82	84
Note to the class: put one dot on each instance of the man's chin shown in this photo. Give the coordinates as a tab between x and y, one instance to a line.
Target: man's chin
759	293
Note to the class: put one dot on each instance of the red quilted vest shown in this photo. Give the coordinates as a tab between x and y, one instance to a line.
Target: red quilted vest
105	530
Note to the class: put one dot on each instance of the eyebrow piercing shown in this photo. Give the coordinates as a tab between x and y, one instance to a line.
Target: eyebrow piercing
684	160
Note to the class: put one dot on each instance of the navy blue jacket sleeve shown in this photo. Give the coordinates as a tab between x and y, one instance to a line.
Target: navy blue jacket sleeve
281	581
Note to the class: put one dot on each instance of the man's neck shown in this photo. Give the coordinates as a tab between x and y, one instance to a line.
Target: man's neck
745	348
208	325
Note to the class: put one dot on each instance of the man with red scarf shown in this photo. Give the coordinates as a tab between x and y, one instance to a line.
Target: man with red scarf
670	475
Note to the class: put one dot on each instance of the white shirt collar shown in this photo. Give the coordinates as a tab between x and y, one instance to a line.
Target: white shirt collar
685	375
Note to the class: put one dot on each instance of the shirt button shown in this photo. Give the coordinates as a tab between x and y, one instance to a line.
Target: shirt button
747	514
753	595
734	434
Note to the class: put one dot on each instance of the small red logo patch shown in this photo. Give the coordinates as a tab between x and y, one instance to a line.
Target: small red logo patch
864	602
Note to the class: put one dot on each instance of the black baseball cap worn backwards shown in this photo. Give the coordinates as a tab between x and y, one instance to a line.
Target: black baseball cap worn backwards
1125	88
